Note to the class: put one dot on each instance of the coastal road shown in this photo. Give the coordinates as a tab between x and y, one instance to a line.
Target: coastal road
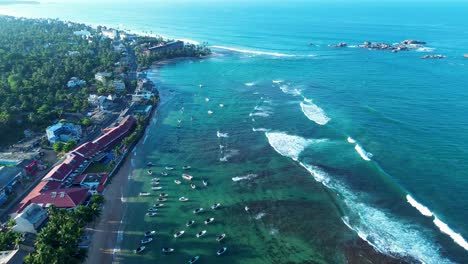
105	232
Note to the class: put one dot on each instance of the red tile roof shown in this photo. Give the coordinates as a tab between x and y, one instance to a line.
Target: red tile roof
62	198
78	179
52	182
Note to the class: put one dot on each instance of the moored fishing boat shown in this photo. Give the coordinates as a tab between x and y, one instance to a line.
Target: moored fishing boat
152	214
177	182
144	194
183	199
193	186
158	205
178	234
163	195
167	250
198	210
155	188
221	251
220	237
205	183
215	206
209	220
186	176
146	240
169	168
152	209
201	233
139	249
163	173
186	167
189	223
194	259
149	172
150	233
160	199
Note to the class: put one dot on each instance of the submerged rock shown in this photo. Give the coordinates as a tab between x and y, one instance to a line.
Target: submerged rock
433	56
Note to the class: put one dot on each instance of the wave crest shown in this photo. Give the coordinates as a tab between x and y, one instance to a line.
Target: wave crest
314	113
288	145
257	52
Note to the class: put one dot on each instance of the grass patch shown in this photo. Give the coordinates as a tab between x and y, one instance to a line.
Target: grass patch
97	167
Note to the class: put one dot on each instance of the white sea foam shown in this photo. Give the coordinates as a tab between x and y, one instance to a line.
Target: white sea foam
351	140
245	177
262	114
260	129
221	146
288	145
220	135
364	154
277	81
259	215
291	91
425	49
380	229
262	108
229	154
257	52
223	159
444	228
249	84
421	208
314	113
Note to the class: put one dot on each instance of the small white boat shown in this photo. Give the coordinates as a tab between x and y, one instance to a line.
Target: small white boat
155	179
178	234
209	220
221	105
152	209
193	260
189	223
150	233
149	172
161	199
193	186
221	251
158	205
220	237
207	99
183	199
146	240
215	206
151	214
169	168
201	233
167	250
200	85
210	112
177	182
198	210
187	176
163	173
205	183
155	183
246	208
145	194
139	249
163	195
186	167
154	188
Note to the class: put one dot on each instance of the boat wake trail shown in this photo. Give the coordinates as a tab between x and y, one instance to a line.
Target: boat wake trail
245	177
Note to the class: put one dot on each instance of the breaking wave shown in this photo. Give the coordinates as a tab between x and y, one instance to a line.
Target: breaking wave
249	84
314	113
364	154
289	146
444	228
379	228
277	81
257	52
291	91
260	129
421	208
221	135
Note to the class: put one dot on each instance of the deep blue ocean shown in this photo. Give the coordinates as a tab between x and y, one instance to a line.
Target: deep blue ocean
386	132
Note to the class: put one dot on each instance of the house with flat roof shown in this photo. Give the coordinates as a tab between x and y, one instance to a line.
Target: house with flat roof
164	48
29	221
63	132
94	182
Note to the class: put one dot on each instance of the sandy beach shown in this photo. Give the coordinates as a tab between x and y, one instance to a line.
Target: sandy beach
104	233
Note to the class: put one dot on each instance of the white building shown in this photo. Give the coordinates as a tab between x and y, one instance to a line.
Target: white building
111	33
142	96
30	219
82	33
102	76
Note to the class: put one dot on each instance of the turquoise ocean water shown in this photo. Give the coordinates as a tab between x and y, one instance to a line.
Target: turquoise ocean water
337	142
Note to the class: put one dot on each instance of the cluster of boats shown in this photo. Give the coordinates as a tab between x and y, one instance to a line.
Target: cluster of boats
153	211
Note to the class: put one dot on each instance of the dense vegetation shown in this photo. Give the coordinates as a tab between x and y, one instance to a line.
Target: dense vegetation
37	59
58	241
